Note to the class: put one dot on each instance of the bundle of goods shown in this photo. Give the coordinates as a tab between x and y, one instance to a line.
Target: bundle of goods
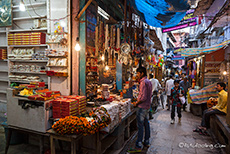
113	110
26	92
81	102
33	38
125	107
45	95
87	126
63	107
105	91
3	54
55	73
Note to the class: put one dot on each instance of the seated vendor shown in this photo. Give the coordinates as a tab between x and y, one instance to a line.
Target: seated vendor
107	78
220	108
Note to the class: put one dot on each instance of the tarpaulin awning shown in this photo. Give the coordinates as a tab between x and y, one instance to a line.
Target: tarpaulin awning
203	95
197	51
161	13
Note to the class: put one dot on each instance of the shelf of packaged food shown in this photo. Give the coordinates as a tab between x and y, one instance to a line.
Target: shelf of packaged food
4	80
30	5
29	61
28	30
29	18
2	92
38	45
4	101
42	73
19	81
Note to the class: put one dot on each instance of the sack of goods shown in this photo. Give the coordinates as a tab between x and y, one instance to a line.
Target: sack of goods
113	111
124	107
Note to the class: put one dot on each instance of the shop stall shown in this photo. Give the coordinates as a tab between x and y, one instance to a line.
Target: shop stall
43	96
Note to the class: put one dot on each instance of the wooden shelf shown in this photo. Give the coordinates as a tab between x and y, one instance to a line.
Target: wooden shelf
52	42
56	66
4	101
22	81
2	92
29	18
106	143
29	72
57	56
30	5
4	80
29	61
28	30
3	71
39	45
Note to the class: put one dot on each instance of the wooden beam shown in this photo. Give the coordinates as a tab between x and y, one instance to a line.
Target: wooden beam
83	10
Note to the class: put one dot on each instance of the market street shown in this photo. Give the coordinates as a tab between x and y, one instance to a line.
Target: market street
165	137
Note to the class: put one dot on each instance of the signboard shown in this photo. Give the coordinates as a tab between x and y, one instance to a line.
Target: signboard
212	72
187	21
5	13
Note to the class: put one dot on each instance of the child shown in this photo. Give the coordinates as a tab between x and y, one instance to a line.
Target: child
176	92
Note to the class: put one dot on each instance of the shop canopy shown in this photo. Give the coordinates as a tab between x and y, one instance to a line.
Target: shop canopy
161	13
197	51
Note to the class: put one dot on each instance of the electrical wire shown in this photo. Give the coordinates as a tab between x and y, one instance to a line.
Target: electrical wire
34	9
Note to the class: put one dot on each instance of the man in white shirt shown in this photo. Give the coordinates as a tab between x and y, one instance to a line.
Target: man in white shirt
155	83
168	87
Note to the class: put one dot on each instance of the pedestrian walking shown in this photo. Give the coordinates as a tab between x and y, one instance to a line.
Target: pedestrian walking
143	103
168	87
176	92
185	85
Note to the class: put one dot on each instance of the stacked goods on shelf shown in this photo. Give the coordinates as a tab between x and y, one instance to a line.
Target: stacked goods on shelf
105	91
3	54
11	39
81	102
69	105
47	95
33	38
21	53
63	107
113	111
125	107
23	78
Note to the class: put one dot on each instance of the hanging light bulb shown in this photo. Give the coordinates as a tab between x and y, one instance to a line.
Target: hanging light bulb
103	58
224	73
77	46
22	6
2	10
62	23
107	68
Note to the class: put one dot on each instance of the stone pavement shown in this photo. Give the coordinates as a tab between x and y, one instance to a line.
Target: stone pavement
166	138
176	138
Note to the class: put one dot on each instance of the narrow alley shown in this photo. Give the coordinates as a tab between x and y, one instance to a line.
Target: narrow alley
177	138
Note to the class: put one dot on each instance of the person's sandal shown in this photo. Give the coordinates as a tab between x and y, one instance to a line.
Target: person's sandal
136	150
197	130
